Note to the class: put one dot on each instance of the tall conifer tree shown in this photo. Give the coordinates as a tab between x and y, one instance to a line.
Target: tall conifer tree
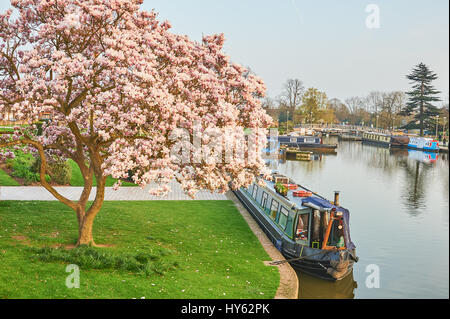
422	96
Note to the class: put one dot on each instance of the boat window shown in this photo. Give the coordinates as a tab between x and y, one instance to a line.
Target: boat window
290	224
302	232
265	198
274	209
284	213
255	191
258	197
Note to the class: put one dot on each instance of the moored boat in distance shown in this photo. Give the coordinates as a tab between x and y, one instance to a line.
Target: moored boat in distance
310	143
294	153
385	140
425	144
352	136
311	232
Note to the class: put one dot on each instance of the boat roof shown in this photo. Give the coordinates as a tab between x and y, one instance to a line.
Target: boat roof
384	134
423	138
293	135
377	133
300	201
317	201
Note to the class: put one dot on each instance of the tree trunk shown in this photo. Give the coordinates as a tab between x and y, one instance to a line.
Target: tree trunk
421	110
86	219
85	225
85	233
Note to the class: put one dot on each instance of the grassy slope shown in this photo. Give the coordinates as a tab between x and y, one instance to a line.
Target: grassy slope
218	255
6	180
77	178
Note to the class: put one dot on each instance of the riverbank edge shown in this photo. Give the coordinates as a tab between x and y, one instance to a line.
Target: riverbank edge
289	285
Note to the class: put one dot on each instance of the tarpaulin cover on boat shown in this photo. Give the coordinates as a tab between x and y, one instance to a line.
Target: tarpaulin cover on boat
346	214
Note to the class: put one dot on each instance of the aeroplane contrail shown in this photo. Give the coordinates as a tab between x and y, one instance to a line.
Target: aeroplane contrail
298	11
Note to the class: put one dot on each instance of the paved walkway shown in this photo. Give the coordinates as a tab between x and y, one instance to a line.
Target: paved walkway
123	193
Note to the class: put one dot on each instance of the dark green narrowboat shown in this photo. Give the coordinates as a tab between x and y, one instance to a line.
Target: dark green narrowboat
311	232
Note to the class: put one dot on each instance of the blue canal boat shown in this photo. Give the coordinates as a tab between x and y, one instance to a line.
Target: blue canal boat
425	144
311	232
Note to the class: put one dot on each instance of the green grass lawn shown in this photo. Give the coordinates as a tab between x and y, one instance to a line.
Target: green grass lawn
77	179
216	253
6	180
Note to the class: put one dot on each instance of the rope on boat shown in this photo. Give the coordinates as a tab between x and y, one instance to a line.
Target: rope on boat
280	262
323	266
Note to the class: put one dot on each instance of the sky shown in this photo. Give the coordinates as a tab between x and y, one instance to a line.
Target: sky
325	43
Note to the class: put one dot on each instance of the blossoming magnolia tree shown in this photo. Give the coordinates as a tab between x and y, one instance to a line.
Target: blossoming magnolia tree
118	85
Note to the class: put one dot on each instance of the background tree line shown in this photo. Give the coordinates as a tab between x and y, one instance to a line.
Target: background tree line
416	109
305	106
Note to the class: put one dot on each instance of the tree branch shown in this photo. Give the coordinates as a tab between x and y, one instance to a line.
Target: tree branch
43	169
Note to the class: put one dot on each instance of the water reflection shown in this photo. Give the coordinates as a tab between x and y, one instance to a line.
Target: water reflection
399	203
313	288
415	185
417	166
399	152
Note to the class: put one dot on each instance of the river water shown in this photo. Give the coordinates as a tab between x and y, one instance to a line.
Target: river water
399	206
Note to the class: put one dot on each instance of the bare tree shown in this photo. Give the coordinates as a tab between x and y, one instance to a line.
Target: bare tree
392	104
291	97
340	110
269	103
373	102
354	103
272	108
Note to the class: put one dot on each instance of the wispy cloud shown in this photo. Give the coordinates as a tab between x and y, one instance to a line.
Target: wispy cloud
297	10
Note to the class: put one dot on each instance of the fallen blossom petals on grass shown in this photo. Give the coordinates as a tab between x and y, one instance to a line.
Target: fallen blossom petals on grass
135	234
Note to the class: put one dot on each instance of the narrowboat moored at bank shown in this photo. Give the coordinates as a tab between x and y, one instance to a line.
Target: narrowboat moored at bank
425	144
385	139
311	232
294	153
352	136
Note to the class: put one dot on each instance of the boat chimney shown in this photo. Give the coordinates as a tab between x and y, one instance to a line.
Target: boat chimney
336	198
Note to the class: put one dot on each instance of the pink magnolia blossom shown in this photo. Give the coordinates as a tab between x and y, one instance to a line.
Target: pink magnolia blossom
117	82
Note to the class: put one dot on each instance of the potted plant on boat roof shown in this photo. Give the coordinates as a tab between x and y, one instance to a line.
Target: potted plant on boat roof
281	189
